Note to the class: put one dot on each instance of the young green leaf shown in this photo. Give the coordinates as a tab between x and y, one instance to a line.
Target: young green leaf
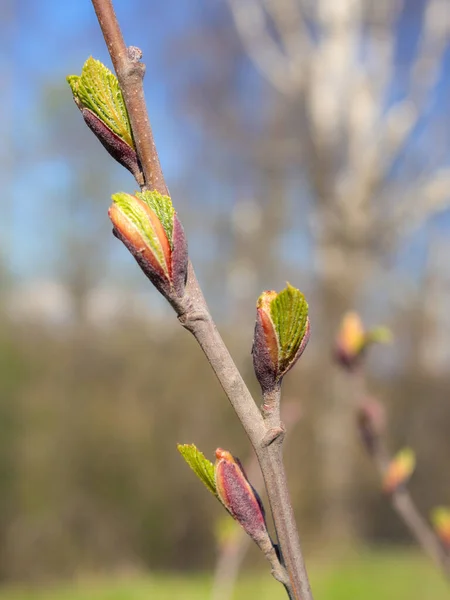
97	89
149	227
139	216
281	334
289	312
163	208
202	467
379	335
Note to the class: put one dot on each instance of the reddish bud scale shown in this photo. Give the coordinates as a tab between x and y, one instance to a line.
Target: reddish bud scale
179	257
399	471
239	497
113	144
350	342
136	245
170	277
265	344
371	423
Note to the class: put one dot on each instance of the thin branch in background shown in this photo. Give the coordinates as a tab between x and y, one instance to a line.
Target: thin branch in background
251	23
350	350
340	93
266	435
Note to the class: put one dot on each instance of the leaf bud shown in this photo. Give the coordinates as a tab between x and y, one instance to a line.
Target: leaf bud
440	517
399	471
149	227
281	333
239	498
98	96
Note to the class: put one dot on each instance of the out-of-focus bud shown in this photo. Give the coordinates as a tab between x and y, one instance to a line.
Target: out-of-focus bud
371	422
399	470
239	497
281	333
98	96
352	340
440	517
149	227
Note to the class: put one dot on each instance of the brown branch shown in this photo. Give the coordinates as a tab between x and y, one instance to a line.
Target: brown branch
405	507
266	435
130	73
194	315
232	551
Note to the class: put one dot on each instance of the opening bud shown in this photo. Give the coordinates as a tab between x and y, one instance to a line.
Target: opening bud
399	471
149	227
352	340
98	96
239	498
281	333
440	517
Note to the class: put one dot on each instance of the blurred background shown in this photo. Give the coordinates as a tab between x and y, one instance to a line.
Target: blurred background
302	140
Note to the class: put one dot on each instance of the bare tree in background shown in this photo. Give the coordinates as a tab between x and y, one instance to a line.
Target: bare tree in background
334	64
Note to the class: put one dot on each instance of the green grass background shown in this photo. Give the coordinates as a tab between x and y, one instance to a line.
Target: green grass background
363	576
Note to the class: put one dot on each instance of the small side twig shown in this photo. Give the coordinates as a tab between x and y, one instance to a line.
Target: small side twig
405	507
194	315
401	499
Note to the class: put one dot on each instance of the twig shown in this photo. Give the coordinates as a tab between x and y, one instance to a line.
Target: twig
407	510
130	73
401	499
194	315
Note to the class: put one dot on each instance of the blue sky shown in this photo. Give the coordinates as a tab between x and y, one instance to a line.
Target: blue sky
45	41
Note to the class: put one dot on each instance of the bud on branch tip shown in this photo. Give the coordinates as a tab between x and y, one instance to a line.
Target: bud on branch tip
399	470
352	340
98	96
281	333
440	517
149	227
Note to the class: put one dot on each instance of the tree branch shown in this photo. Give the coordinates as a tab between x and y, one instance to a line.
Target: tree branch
130	73
407	510
401	499
274	65
194	315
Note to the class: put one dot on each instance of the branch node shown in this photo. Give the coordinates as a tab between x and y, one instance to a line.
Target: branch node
281	575
274	434
191	316
134	54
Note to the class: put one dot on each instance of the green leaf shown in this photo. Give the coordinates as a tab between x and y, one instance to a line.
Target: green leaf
289	314
378	335
162	206
440	517
131	208
98	90
202	467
